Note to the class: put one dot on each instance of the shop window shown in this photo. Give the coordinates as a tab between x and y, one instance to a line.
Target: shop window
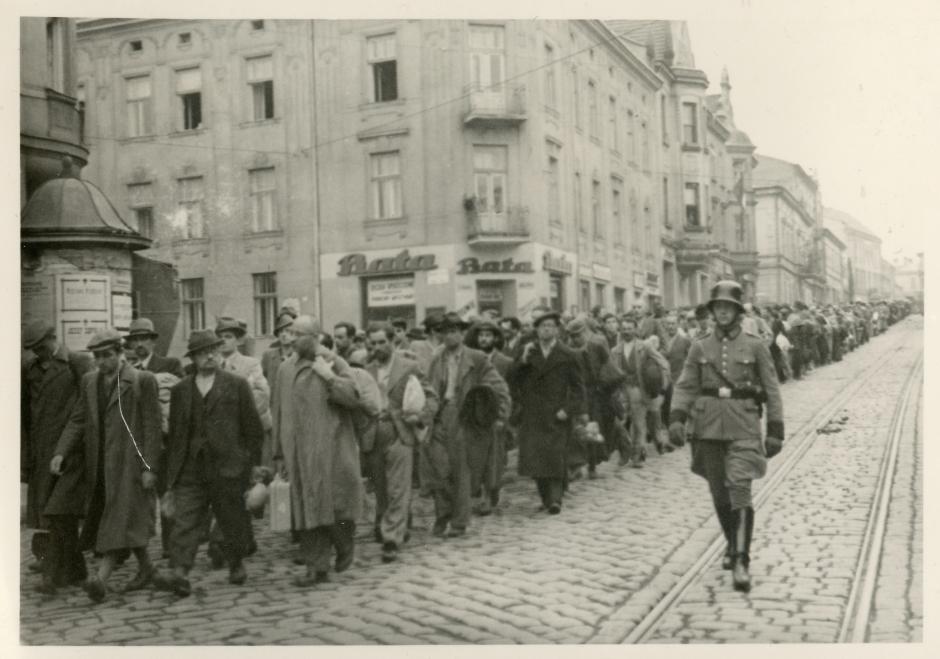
194	305
386	185
265	297
383	67
260	75
139	110
262	188
487	56
189	91
190	220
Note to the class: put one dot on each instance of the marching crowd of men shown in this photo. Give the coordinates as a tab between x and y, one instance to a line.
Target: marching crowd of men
108	442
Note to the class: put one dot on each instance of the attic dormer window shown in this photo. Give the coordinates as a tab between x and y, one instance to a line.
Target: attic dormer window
137	45
257	26
185	38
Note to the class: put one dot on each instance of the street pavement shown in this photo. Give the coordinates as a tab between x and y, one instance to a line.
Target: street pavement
588	575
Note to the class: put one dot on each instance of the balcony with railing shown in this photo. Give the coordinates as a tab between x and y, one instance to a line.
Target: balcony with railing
497	105
488	227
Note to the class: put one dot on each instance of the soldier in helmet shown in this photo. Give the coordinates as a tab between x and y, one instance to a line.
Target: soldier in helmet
727	381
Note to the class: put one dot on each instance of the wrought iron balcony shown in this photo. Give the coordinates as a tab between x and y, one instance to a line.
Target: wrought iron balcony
500	105
486	227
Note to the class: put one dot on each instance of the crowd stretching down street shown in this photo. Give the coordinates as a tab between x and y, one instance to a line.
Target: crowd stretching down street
326	419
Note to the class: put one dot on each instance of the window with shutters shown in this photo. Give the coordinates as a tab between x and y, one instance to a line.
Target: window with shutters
262	189
386	185
265	297
487	57
259	72
189	91
194	305
489	178
190	223
383	67
139	110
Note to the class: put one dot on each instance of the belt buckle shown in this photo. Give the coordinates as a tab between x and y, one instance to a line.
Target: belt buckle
724	392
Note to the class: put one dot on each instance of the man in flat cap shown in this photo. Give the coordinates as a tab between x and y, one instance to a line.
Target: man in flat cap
114	433
214	441
315	448
51	382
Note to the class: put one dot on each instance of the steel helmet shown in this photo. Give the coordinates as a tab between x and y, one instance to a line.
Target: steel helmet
728	291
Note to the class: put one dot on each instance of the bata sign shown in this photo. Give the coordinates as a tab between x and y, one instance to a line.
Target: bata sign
472	266
356	264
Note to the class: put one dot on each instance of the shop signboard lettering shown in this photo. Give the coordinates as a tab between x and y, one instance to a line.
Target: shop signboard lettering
558	264
357	264
472	266
391	292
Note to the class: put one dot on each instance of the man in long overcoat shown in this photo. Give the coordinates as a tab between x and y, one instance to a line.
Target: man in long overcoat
548	391
214	441
51	383
315	448
592	356
114	432
454	372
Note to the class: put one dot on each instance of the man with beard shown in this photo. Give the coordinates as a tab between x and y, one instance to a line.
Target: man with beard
396	434
316	451
488	462
511	328
114	433
343	335
454	373
215	439
51	385
548	387
727	378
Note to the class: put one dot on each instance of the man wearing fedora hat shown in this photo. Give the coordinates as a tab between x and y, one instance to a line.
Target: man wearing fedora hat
51	383
548	389
140	341
454	372
214	441
280	349
114	433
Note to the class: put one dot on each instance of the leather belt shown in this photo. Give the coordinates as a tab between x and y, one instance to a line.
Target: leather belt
727	392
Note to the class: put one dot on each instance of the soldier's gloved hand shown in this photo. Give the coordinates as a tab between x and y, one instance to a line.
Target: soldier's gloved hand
774	442
677	434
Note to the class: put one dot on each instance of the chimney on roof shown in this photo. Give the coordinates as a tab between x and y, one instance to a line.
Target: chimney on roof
650	47
669	52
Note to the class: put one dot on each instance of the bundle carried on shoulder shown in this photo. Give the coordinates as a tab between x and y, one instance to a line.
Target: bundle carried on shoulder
413	400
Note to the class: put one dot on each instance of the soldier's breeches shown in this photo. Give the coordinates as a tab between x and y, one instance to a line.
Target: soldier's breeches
729	467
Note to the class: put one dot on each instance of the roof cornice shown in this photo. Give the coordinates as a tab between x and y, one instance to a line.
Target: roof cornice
637	65
793	202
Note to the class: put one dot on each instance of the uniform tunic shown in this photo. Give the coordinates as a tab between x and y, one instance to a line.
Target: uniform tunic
727	448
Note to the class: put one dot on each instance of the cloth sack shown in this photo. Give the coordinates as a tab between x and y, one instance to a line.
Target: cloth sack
279	499
414	399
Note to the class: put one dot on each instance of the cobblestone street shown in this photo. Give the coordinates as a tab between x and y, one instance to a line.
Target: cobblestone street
590	574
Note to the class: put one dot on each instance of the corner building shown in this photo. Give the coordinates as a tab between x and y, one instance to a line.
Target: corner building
492	164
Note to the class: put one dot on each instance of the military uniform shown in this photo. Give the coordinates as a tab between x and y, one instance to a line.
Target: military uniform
727	383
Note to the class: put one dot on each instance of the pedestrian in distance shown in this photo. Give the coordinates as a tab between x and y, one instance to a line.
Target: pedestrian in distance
213	452
114	433
727	381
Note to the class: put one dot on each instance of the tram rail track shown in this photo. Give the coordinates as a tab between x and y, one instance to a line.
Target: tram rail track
801	442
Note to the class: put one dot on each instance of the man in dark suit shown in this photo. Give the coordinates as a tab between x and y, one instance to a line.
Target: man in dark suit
215	438
548	389
140	342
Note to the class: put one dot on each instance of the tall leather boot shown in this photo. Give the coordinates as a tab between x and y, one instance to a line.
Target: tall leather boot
726	519
744	527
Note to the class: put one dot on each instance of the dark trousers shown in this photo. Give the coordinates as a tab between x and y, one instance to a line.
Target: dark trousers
667	406
64	563
317	544
195	495
452	497
550	490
